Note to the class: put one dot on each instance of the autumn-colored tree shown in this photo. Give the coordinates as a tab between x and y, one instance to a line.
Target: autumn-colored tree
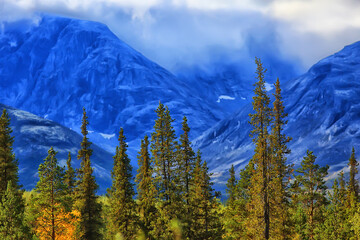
122	217
85	192
51	208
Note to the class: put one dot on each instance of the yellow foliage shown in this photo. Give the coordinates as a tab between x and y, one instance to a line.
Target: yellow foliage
63	224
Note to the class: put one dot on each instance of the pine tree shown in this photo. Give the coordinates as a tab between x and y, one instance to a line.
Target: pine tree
353	185
121	203
51	203
280	172
8	163
85	191
259	204
206	222
69	178
163	146
311	193
12	225
146	191
231	187
186	163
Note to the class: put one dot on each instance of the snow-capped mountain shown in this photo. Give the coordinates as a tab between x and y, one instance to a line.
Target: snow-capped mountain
56	66
324	116
34	136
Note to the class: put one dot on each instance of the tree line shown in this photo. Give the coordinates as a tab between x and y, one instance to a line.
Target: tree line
171	196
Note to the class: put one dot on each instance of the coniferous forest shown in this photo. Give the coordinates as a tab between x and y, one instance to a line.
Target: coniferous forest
172	195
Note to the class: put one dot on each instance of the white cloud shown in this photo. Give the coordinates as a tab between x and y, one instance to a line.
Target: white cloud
180	32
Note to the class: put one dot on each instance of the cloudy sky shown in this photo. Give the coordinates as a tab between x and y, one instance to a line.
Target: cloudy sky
178	33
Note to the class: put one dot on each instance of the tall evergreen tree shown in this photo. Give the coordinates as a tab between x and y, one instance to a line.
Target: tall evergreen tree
186	163
163	146
51	202
311	193
206	222
280	171
122	210
69	178
259	205
12	225
353	185
231	187
85	192
146	191
8	163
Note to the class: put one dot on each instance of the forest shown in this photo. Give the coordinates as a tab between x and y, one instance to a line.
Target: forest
172	195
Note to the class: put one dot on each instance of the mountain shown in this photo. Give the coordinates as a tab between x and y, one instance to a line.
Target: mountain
34	136
324	116
55	66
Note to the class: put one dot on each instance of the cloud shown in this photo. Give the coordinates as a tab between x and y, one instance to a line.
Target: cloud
178	33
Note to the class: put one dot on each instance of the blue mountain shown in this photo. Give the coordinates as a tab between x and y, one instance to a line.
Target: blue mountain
54	67
324	116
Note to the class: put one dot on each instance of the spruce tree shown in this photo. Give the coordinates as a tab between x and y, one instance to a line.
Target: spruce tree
122	216
311	194
146	191
206	222
231	187
280	171
12	225
69	178
8	163
163	146
186	163
85	192
353	185
51	203
259	205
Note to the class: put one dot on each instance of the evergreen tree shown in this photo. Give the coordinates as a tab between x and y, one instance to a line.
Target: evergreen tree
12	224
231	187
353	185
280	172
163	148
85	191
69	178
51	202
8	163
206	222
121	203
146	191
186	163
311	194
259	205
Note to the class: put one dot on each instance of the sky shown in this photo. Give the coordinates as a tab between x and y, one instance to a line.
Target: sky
180	34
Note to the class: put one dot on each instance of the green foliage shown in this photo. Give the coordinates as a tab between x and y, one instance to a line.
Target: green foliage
122	217
12	225
51	200
353	186
148	213
8	163
85	197
311	192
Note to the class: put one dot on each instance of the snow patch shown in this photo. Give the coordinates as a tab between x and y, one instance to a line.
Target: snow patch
107	136
268	86
225	97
